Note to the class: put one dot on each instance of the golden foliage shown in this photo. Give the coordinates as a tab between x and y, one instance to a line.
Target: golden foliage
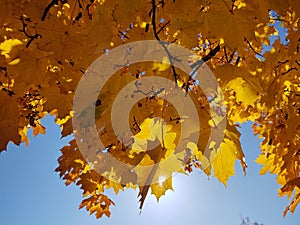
46	46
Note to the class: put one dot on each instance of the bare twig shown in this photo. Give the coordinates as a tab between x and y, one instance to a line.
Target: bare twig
31	37
251	47
165	24
289	70
47	9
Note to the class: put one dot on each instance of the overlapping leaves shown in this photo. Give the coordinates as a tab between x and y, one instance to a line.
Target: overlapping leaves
46	46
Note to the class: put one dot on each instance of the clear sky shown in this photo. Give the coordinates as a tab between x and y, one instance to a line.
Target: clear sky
31	193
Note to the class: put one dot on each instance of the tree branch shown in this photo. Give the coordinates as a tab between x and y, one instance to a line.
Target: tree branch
195	66
154	20
31	37
47	9
165	24
251	47
162	43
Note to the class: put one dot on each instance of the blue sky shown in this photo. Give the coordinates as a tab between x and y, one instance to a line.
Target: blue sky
31	193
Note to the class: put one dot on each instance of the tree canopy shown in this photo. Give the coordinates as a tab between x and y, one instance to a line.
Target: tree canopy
47	47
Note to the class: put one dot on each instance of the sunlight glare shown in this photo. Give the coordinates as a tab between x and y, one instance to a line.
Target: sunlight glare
161	179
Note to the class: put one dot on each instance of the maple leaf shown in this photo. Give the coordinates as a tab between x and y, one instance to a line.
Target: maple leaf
98	204
9	124
159	189
223	159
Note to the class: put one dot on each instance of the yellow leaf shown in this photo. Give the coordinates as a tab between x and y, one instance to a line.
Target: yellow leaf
159	189
245	92
146	130
194	148
7	46
223	160
39	129
164	65
267	163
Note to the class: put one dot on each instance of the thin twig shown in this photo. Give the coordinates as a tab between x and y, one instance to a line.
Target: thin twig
165	24
225	54
31	37
282	20
251	47
47	9
289	70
